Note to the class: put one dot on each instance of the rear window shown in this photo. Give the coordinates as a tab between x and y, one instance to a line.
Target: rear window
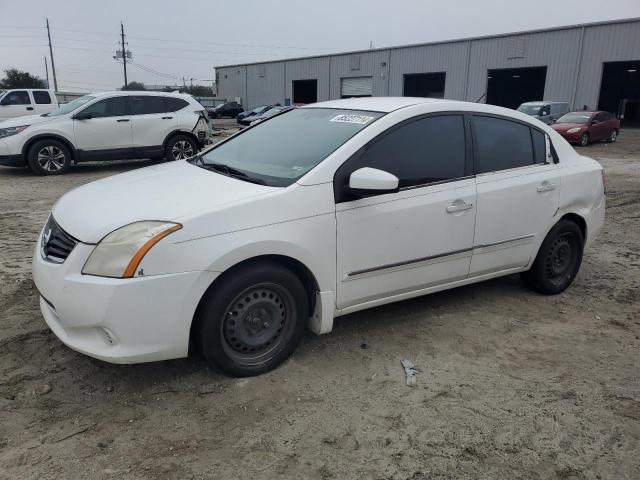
142	105
42	98
502	144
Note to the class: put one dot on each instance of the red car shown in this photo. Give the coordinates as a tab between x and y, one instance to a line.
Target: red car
585	127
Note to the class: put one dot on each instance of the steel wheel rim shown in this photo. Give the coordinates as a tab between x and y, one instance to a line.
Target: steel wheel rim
182	150
51	158
561	258
258	323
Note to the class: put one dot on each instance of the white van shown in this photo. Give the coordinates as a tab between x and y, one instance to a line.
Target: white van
547	112
25	101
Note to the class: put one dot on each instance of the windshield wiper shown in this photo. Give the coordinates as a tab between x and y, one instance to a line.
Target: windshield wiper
231	172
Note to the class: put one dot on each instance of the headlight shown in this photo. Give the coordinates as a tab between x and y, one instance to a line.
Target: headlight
574	130
7	132
119	253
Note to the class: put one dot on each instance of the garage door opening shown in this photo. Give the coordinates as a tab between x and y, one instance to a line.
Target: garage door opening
620	91
509	87
424	85
305	91
354	87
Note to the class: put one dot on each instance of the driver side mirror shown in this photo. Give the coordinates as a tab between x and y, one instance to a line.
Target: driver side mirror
369	181
83	116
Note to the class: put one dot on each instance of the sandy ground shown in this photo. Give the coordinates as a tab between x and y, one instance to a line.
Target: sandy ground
514	385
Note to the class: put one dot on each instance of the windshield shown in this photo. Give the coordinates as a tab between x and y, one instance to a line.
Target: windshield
279	151
574	118
530	109
71	106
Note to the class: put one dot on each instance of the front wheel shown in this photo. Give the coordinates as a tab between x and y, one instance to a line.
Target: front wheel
252	319
180	147
49	157
584	140
558	259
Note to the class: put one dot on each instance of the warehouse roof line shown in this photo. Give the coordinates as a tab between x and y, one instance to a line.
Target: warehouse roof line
440	42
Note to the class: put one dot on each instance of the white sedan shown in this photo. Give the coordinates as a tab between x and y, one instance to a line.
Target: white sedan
315	213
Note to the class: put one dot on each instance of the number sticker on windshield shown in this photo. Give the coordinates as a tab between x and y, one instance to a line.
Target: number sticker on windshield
360	119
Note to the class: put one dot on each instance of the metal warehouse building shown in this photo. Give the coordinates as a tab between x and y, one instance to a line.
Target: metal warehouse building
597	65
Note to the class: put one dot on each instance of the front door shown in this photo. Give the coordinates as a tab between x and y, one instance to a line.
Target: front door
518	187
107	134
419	236
16	103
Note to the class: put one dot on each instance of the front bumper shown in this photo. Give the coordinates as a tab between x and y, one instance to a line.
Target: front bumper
571	137
132	320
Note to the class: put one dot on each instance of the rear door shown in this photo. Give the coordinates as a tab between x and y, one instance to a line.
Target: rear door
107	135
518	187
416	238
16	103
152	122
43	103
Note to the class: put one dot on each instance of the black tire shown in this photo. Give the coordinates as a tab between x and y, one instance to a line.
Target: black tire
613	136
558	259
180	147
49	157
252	319
584	140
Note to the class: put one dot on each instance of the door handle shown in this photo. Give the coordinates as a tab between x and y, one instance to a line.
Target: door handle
122	120
459	207
29	108
546	187
167	118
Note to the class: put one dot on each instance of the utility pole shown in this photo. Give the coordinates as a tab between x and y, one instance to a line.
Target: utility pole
124	53
53	65
46	70
191	80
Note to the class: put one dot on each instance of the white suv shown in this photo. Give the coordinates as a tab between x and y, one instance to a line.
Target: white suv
106	126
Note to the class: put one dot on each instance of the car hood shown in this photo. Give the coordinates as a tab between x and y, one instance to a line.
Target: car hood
172	192
563	127
26	120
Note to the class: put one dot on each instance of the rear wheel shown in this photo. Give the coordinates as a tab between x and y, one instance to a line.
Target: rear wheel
180	147
584	140
558	259
253	319
613	136
49	157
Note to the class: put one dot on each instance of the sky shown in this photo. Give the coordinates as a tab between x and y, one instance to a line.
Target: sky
170	40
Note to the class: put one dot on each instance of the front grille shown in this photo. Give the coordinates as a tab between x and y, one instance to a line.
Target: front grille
56	243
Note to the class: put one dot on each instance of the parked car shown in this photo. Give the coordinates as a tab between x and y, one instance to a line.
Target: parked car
25	101
585	127
250	120
256	111
106	126
324	210
547	112
229	109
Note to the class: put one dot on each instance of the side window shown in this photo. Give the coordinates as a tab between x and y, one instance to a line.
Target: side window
539	146
19	97
501	144
142	105
41	97
427	150
175	104
109	107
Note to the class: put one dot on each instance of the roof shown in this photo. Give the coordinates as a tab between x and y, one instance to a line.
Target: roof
440	42
138	92
375	104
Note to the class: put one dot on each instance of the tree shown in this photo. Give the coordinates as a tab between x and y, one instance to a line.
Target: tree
134	86
14	78
200	91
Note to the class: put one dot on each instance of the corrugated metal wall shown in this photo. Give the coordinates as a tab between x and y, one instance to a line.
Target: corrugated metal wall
466	62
